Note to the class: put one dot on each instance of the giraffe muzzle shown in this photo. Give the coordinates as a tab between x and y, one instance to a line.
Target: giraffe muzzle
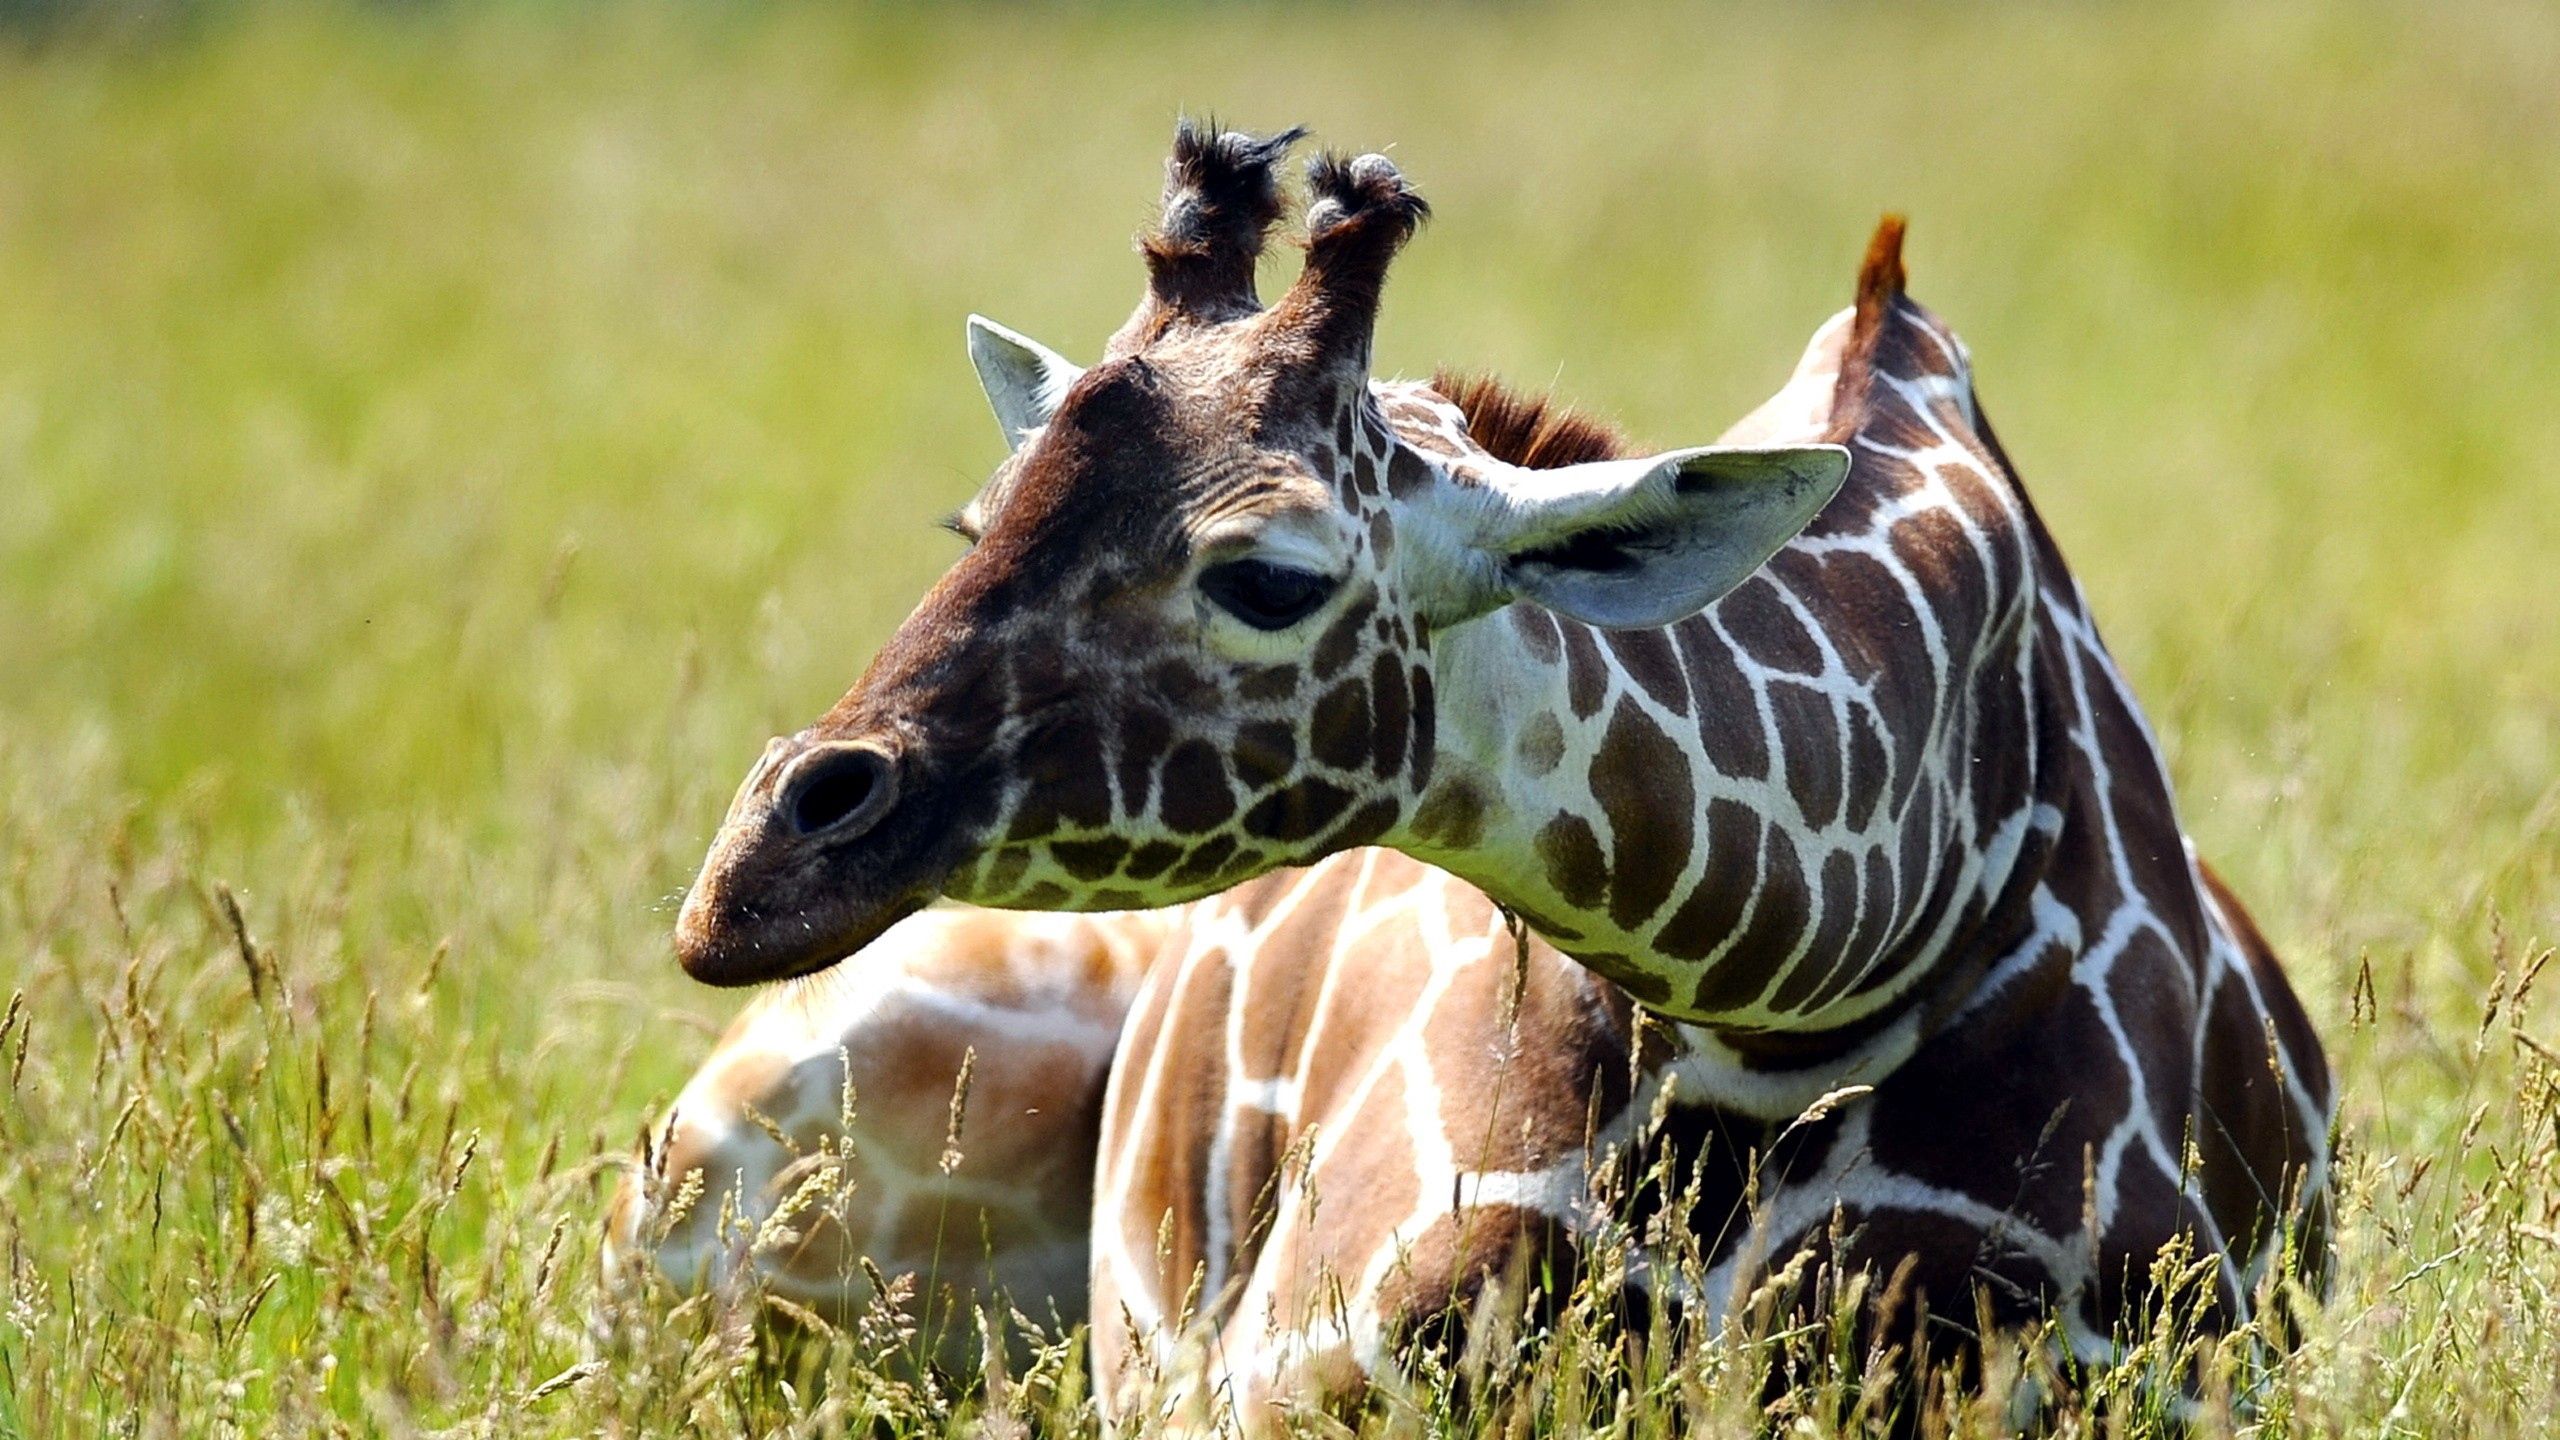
828	843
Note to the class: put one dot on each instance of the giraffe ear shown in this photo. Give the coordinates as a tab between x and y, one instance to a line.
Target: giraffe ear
1632	544
1023	378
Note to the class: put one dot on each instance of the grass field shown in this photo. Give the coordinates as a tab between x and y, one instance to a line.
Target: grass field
438	446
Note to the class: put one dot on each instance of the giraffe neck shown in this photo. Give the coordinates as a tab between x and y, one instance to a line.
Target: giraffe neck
1782	817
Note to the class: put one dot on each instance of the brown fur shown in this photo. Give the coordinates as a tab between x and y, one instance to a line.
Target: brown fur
1535	432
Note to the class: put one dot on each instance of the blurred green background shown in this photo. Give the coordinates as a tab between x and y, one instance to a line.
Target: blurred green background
395	405
438	444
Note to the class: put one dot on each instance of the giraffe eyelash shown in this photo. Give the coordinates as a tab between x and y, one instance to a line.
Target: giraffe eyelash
957	523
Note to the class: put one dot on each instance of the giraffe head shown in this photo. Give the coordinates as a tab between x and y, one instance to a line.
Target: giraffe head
1191	640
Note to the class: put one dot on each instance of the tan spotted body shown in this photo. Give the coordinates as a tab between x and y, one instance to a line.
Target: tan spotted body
1030	1005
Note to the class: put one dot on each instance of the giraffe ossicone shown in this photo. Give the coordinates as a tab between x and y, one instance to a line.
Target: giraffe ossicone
1830	771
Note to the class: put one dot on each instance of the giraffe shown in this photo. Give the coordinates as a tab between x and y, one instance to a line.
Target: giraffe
850	1083
1803	742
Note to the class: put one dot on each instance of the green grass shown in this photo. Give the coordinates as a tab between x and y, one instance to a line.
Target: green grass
438	446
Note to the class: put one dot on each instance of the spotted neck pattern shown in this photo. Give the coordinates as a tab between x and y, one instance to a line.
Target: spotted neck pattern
1796	817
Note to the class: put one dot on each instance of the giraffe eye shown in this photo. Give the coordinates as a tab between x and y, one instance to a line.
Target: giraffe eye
1263	595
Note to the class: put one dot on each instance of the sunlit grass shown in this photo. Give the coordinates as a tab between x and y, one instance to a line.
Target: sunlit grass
437	447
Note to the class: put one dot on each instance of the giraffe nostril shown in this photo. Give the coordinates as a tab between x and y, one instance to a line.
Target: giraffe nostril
837	791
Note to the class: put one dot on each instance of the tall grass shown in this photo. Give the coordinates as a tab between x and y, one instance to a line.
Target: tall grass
437	446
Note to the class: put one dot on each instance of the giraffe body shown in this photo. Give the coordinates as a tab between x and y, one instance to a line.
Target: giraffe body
1325	1135
1346	1105
848	1079
1805	741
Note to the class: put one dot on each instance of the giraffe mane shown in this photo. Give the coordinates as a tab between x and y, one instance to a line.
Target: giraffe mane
1532	431
1880	287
